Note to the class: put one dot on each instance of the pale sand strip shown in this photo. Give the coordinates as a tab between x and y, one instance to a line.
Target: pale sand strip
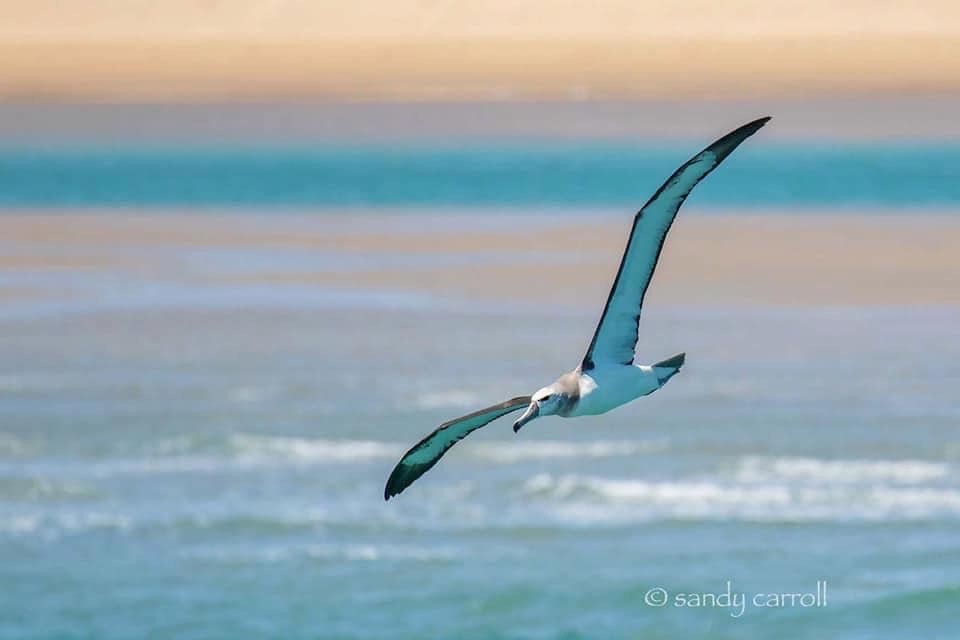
792	259
176	50
479	68
417	19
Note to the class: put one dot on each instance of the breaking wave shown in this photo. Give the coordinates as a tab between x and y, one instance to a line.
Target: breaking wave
762	490
323	553
510	452
310	449
262	448
759	469
53	525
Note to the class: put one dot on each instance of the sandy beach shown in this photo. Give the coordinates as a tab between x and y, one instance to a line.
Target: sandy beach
482	69
259	50
806	259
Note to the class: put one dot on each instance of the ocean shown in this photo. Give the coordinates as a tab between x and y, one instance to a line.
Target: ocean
186	454
473	174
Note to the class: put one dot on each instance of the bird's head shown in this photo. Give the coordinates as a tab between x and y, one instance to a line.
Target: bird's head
544	402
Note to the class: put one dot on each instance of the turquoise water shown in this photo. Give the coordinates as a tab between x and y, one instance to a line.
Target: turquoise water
217	473
471	174
185	456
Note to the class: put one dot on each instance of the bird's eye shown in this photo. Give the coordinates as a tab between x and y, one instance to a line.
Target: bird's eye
544	398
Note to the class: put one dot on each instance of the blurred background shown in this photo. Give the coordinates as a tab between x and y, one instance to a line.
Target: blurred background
251	251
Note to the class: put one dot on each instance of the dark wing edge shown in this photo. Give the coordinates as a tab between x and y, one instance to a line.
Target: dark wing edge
442	438
720	149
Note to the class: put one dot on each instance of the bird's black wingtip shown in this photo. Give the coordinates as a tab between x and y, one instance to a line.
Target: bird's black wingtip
725	145
389	491
755	125
402	476
395	483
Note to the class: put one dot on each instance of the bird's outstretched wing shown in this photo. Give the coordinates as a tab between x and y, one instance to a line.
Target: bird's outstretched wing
426	453
616	335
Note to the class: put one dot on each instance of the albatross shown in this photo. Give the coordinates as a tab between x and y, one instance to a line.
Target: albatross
607	376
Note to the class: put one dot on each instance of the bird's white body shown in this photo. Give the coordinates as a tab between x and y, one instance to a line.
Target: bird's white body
607	387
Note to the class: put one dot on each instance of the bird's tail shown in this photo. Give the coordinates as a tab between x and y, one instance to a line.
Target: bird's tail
665	369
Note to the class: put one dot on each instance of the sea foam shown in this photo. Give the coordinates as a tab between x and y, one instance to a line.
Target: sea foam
762	469
759	489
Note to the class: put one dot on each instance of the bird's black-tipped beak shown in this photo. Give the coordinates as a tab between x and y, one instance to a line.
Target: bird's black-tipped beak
532	412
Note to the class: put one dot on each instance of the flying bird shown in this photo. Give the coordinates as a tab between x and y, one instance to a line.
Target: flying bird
606	377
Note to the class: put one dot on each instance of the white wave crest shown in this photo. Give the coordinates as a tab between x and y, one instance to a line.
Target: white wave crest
653	493
519	451
586	500
312	449
56	525
19	524
916	502
370	552
324	552
761	469
237	452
